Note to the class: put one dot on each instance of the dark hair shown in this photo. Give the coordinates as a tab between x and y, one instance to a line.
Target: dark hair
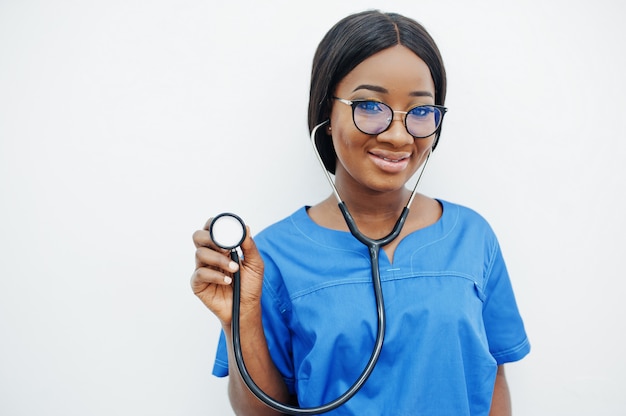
352	40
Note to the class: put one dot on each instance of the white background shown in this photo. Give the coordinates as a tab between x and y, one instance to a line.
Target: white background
125	124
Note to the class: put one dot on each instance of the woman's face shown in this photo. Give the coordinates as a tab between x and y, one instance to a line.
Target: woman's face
383	162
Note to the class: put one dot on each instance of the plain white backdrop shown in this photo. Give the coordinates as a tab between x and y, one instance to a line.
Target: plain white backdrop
124	125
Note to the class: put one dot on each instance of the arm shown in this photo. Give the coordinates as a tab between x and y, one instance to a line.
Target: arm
260	366
501	400
211	282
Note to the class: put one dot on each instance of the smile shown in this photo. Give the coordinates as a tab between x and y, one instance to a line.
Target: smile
390	162
389	156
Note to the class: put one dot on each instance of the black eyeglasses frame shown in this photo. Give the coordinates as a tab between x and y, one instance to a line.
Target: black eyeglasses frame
354	103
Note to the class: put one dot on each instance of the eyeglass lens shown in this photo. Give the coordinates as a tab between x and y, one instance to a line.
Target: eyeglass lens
373	117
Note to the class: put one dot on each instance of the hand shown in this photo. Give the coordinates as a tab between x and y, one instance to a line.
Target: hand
212	278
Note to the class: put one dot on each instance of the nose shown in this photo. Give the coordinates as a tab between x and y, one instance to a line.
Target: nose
396	134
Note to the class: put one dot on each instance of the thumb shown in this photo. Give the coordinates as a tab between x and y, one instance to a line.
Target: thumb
251	257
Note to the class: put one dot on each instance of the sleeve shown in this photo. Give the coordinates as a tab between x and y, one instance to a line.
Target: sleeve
220	366
506	335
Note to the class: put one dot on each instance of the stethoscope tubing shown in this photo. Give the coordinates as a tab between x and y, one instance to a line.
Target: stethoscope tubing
374	249
374	246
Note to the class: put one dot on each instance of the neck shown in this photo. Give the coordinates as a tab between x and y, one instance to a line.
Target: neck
374	212
375	205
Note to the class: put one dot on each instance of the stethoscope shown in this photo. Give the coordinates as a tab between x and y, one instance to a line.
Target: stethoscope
228	232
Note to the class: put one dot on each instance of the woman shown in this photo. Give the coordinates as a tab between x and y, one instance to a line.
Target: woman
308	319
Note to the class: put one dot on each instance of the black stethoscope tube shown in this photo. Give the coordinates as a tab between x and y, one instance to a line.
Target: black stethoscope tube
374	249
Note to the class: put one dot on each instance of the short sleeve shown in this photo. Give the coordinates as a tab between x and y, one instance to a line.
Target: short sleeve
220	366
505	330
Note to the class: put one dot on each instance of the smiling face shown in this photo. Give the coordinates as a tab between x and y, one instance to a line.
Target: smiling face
386	161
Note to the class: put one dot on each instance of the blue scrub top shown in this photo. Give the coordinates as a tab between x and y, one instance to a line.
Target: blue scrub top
451	316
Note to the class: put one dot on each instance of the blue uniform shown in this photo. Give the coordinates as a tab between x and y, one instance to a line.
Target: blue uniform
451	316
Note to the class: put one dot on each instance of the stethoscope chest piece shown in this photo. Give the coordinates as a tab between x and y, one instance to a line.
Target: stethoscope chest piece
227	231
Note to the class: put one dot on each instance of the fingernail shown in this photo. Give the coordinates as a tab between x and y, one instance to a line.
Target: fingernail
227	280
233	266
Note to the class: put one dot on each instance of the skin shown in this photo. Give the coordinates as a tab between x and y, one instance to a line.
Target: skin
501	400
371	175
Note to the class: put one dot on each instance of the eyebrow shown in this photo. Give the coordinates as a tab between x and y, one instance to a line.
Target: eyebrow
382	90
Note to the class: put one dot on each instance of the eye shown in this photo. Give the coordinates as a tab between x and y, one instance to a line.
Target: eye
370	107
423	111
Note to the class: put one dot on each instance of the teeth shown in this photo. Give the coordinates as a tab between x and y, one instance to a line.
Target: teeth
391	160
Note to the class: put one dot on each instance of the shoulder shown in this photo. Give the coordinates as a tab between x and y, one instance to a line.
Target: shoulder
290	233
462	213
467	224
296	220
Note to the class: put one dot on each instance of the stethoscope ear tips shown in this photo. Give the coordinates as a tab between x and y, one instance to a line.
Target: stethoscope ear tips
227	231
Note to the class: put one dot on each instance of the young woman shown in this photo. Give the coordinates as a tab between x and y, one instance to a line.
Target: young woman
308	316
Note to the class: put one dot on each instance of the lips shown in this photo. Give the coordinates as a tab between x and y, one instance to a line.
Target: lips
390	156
391	162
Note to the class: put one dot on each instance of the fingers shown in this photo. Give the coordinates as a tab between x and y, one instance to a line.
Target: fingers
213	264
212	268
202	238
207	225
204	276
208	257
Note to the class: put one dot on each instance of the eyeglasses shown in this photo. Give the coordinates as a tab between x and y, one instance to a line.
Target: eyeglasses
374	117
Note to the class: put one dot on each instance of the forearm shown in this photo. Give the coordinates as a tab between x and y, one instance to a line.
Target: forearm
261	368
501	401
